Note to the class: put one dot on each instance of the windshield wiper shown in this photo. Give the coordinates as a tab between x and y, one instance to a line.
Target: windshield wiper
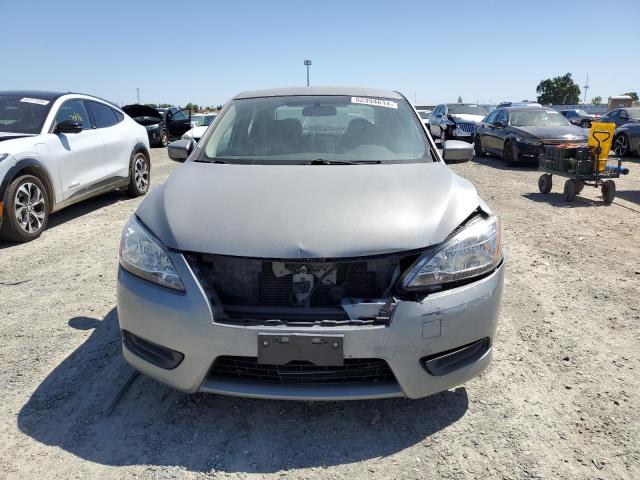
321	161
211	160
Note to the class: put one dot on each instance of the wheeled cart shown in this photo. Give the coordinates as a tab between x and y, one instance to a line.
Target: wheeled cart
580	166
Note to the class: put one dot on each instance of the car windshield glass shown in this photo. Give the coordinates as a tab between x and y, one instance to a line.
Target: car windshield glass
537	118
581	112
634	112
206	120
458	109
303	129
20	114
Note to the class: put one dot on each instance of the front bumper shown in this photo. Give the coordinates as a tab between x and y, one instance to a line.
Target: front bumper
183	322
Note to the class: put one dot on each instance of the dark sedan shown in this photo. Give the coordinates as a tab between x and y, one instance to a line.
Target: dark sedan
579	117
162	124
517	134
620	116
626	139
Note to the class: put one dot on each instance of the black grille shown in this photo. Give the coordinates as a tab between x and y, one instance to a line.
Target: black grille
359	283
354	370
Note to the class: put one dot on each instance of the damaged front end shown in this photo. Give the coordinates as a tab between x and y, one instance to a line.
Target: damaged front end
250	291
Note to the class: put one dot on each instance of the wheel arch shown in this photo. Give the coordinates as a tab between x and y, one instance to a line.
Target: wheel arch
30	166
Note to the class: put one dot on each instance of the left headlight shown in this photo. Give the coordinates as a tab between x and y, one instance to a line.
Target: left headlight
143	255
472	252
529	141
152	127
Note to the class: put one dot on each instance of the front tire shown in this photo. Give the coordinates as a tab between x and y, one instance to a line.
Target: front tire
545	183
508	154
26	209
139	175
477	147
570	190
608	191
164	138
621	145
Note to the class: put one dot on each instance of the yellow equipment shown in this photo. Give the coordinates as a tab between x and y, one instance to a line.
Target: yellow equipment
600	138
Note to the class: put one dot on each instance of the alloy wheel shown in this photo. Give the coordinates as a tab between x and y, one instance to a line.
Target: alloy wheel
30	207
621	145
141	173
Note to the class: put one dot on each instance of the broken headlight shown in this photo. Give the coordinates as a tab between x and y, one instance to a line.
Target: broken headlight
471	252
143	255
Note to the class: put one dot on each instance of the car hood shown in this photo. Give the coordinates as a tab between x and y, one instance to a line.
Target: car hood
563	132
197	132
141	111
17	144
8	138
466	118
307	211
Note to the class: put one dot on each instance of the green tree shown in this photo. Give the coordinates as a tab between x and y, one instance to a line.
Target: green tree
558	91
152	105
596	100
633	95
191	106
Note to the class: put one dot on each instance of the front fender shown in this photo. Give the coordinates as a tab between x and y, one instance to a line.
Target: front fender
33	166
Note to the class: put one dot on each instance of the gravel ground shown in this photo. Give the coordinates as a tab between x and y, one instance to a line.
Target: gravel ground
559	401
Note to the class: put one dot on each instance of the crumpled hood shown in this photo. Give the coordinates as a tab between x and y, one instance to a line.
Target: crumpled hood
466	118
562	132
307	211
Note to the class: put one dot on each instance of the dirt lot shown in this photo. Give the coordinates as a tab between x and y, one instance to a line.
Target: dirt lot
560	400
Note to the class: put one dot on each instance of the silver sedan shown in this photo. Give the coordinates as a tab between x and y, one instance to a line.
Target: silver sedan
314	245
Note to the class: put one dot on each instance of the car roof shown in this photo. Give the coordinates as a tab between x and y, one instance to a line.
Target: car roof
309	91
41	94
50	95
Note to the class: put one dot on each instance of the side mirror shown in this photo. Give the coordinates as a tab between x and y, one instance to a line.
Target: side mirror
457	151
179	150
68	126
499	124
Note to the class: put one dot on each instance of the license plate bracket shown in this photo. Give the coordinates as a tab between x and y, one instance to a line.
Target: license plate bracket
280	349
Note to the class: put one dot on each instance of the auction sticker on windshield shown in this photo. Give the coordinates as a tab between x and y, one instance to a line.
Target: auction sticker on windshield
37	101
378	102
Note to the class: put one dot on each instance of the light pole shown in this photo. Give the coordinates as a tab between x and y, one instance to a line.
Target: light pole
307	64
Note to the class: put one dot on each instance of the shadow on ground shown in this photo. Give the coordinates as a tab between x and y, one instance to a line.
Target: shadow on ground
155	425
77	210
500	164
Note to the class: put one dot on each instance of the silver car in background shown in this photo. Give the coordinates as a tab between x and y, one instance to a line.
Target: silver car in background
313	246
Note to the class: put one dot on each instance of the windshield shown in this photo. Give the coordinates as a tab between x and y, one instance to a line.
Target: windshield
206	121
23	114
317	128
458	109
537	118
634	112
581	113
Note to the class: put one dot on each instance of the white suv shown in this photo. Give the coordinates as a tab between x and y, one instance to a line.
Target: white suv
60	148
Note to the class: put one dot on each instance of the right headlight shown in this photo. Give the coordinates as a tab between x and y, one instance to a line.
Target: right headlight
471	252
143	255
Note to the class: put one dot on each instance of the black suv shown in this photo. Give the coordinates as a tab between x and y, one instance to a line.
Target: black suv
162	124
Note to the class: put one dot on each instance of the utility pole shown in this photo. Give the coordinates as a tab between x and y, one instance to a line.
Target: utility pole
138	93
307	64
586	87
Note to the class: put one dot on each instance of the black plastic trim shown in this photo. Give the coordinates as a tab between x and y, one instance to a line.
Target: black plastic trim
158	355
446	362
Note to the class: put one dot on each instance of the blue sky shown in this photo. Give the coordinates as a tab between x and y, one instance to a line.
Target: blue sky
205	52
